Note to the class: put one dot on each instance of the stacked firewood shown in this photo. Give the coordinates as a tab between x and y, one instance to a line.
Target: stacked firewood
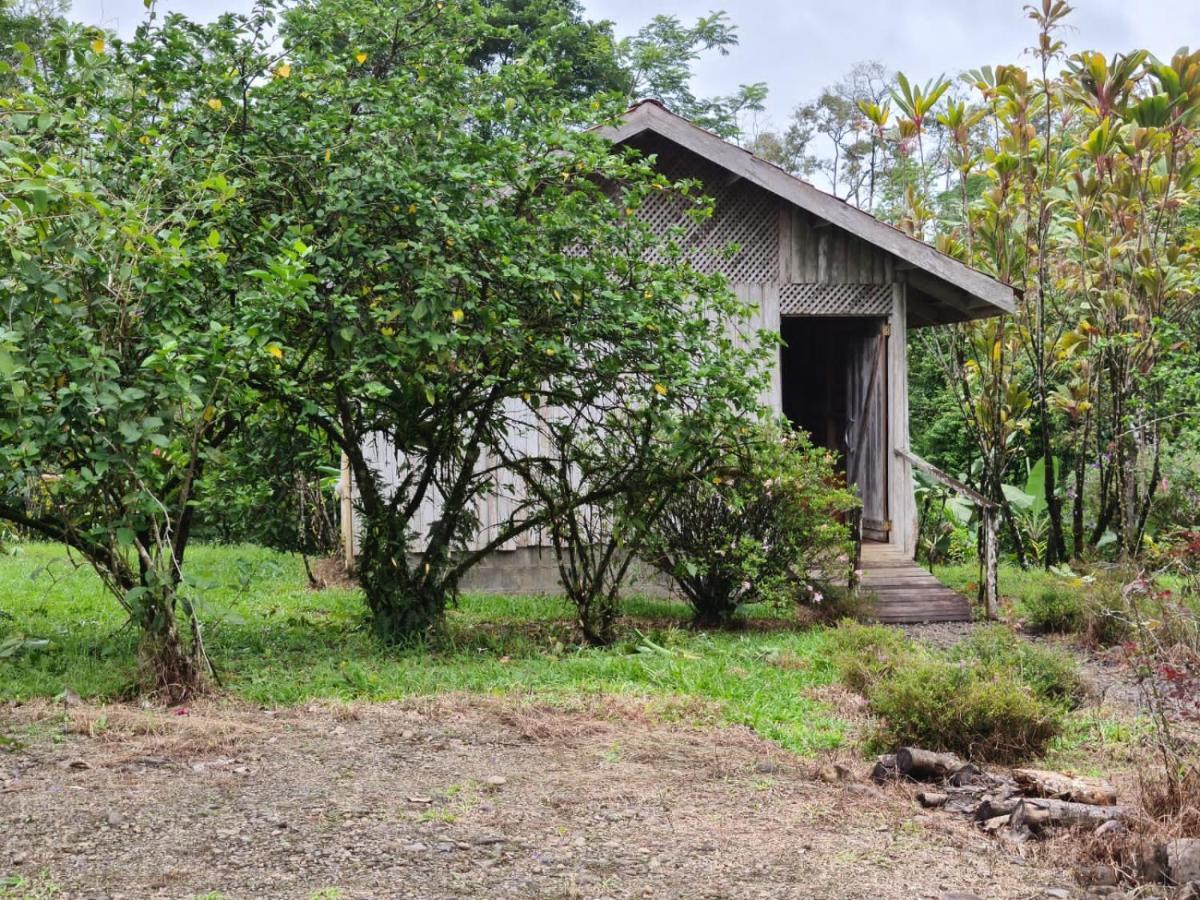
1023	804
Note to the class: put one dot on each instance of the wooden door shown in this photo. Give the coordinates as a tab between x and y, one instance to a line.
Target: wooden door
867	427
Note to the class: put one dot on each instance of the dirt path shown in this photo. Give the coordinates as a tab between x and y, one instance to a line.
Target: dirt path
459	798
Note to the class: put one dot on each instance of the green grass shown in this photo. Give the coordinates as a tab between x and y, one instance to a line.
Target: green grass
1015	583
276	642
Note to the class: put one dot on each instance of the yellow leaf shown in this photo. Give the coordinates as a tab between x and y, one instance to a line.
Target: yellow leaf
209	414
98	45
283	71
660	389
412	208
361	57
387	332
549	351
144	139
275	350
214	103
648	294
328	155
457	316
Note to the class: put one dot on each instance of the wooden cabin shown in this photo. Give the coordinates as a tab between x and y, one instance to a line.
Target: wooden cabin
842	289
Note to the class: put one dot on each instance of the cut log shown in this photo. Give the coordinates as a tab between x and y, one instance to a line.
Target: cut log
1064	812
932	799
995	806
1054	785
1175	862
1026	817
919	764
885	769
966	775
1183	860
995	823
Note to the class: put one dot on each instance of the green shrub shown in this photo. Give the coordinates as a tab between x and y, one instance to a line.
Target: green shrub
1051	674
979	712
1106	612
863	655
1054	609
757	528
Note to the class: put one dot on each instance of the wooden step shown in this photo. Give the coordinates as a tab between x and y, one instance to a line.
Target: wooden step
905	593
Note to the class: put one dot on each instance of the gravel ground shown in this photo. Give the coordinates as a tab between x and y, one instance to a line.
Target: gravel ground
462	797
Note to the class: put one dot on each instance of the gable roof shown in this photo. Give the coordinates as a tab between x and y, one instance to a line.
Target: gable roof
962	291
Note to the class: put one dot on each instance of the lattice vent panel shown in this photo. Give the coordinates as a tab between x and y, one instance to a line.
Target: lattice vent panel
740	240
835	299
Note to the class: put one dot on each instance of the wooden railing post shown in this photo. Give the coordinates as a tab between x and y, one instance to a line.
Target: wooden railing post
989	575
989	562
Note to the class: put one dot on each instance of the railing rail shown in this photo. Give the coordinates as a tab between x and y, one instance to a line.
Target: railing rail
989	561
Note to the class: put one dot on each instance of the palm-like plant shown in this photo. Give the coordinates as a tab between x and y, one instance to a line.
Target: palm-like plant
917	102
1104	87
877	114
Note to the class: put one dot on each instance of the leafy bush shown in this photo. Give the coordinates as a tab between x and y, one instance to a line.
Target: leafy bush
992	697
761	526
863	655
1051	674
980	712
1106	612
1054	609
1094	608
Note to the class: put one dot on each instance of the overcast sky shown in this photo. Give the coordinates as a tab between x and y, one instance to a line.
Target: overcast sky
799	46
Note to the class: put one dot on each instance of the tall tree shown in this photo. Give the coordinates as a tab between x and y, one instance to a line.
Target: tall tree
120	364
659	59
418	232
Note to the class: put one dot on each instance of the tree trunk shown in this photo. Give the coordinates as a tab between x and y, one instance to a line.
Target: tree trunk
1077	539
169	669
403	605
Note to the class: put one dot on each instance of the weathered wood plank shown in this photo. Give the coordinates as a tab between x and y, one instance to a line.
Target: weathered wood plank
904	593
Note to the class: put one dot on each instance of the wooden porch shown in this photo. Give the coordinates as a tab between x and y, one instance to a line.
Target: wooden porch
903	592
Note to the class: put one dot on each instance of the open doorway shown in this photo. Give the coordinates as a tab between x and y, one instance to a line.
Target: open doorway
833	373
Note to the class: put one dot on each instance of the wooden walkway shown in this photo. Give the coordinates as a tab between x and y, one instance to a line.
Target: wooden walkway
904	592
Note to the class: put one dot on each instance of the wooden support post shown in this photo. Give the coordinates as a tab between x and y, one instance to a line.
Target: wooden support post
989	575
989	561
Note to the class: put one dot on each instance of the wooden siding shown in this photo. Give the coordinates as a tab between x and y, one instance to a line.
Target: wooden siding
818	253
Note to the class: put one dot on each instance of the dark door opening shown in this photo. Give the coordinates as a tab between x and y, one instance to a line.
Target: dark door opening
833	373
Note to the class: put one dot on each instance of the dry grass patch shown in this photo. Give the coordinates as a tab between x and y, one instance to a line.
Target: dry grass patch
169	733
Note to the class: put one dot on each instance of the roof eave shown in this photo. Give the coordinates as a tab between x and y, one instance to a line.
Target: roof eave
653	117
